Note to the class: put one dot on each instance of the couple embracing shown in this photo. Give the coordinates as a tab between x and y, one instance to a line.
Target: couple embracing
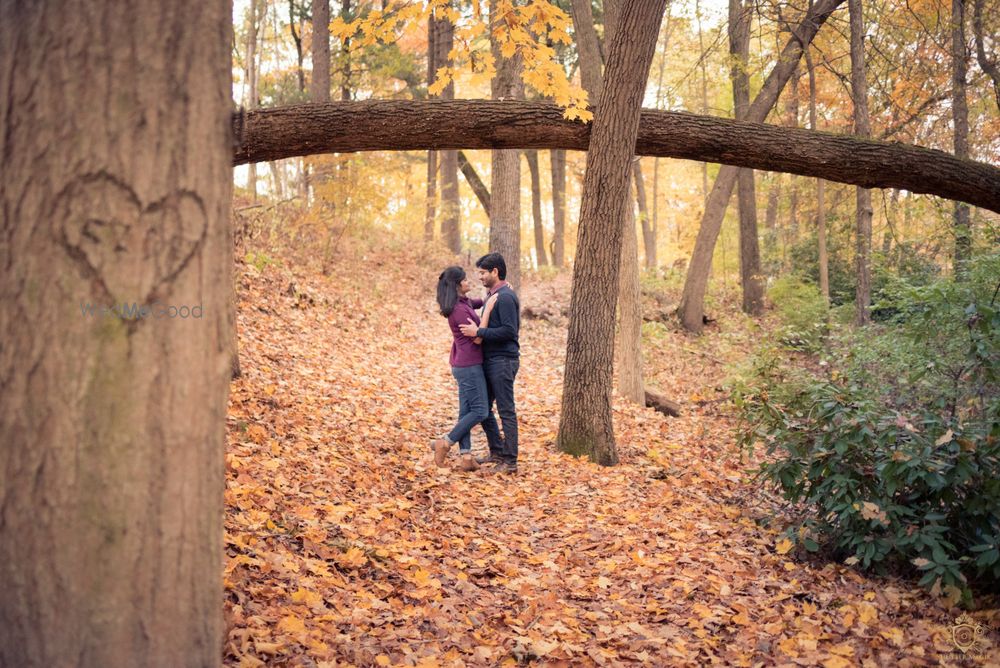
484	360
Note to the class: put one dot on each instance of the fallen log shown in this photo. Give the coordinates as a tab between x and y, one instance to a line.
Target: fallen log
663	405
549	313
398	125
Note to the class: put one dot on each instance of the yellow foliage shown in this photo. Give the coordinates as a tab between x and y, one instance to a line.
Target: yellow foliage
522	29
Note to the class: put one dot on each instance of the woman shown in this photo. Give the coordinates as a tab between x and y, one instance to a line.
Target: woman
466	366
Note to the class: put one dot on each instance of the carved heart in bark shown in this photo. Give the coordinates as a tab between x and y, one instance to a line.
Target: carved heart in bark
133	249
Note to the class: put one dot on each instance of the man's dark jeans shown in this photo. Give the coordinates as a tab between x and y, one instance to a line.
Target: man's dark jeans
500	373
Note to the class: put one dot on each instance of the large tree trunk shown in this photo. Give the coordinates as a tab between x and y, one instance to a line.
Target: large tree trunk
648	236
585	426
505	186
960	118
693	298
862	128
115	189
824	258
628	342
401	125
531	155
557	160
751	280
451	225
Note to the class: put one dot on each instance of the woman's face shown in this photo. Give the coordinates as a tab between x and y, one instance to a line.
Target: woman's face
464	286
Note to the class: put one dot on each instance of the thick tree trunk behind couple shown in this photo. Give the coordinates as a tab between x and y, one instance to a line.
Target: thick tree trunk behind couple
585	427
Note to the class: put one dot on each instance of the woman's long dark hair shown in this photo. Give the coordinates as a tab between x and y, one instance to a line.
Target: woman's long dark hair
448	289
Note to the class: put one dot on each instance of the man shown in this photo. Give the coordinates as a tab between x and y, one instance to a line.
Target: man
501	358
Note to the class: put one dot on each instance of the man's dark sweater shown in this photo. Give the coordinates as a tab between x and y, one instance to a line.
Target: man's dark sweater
500	335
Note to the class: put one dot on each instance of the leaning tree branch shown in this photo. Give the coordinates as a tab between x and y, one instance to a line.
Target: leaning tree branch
400	125
476	183
987	65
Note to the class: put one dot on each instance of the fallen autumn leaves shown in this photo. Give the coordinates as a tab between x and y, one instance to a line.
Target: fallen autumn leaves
346	547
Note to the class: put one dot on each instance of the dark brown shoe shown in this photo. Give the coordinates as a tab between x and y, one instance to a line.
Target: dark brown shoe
489	459
503	467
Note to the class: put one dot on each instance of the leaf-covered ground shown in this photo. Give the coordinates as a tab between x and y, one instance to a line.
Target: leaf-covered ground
345	546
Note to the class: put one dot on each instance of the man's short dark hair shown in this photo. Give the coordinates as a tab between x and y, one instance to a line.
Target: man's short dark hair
492	261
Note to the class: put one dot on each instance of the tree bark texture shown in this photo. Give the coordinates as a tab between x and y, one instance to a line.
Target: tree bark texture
557	165
585	426
960	123
648	235
588	49
476	183
862	128
629	344
345	54
771	211
628	340
320	89
451	223
115	189
531	155
824	258
751	277
692	308
987	64
386	125
505	177
430	213
792	121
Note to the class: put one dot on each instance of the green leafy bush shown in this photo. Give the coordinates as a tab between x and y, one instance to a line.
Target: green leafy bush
892	451
804	256
802	311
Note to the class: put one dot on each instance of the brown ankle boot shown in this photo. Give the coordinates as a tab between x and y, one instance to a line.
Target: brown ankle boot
441	447
467	463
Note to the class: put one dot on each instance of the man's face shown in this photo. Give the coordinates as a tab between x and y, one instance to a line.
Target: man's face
489	278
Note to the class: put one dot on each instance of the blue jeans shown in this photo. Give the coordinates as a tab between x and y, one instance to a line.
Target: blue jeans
472	406
500	374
